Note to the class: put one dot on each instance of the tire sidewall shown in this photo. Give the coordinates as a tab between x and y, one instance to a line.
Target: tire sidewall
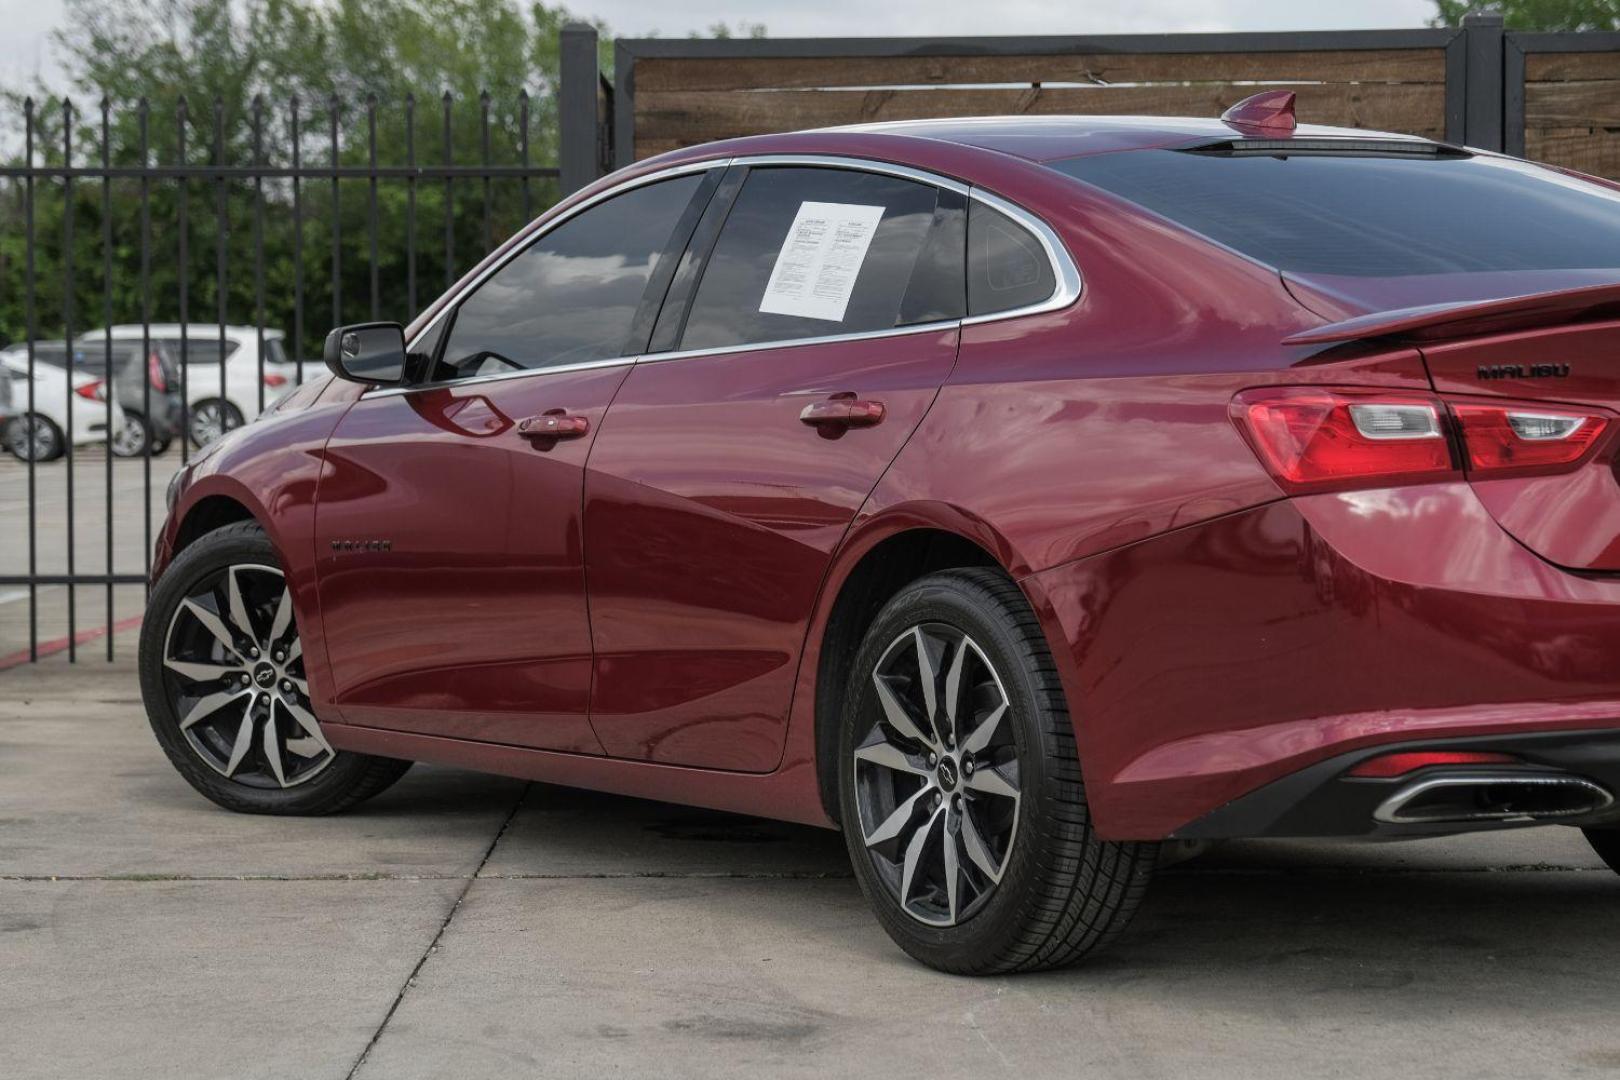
996	925
26	452
137	422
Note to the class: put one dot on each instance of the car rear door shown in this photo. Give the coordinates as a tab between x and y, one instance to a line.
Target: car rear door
806	333
448	533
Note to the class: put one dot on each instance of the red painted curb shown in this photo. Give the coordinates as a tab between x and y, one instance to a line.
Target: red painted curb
56	645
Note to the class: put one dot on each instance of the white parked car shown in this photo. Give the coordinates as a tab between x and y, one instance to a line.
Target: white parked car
214	409
42	433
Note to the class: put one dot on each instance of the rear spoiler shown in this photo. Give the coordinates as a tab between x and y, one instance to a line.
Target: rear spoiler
1440	322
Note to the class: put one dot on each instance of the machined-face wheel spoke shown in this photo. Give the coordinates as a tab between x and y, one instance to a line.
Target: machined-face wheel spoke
211	704
991	782
936	775
283	616
213	624
895	824
273	740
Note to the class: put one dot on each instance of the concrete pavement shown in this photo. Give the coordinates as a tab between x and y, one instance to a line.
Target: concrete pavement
470	926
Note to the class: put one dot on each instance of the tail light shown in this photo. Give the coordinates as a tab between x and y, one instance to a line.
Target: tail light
94	391
156	375
1503	438
1314	440
1327	440
274	380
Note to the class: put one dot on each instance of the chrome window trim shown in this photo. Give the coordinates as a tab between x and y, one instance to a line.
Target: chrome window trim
500	376
791	343
1067	274
1069	282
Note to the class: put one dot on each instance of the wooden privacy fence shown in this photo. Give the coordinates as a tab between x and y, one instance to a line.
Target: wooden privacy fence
1553	97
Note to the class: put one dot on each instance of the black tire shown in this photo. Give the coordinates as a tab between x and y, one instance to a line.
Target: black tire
46	443
161	446
341	781
1606	842
212	418
1062	893
133	440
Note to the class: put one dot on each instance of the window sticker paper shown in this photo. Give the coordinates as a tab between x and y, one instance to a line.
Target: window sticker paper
816	269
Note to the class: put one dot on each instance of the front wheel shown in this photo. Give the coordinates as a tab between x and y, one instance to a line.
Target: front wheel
222	676
960	791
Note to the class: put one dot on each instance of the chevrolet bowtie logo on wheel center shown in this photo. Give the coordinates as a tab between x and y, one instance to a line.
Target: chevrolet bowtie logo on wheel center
264	675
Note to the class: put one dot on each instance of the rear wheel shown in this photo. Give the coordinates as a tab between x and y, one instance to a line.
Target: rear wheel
131	440
32	437
960	790
1606	842
222	676
212	418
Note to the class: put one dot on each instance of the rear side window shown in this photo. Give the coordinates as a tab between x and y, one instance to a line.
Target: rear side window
571	296
1007	267
199	350
1367	215
815	252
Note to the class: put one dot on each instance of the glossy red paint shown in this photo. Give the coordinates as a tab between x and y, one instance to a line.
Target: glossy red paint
712	513
473	623
643	608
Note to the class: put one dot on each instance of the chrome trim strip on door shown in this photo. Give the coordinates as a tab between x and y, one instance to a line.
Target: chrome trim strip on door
1067	274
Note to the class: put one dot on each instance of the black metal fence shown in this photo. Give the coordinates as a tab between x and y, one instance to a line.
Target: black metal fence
288	217
267	222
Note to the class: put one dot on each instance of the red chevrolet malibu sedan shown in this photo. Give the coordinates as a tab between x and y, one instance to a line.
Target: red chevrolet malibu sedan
1013	494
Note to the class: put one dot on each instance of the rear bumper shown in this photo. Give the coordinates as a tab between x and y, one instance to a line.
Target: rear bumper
1287	641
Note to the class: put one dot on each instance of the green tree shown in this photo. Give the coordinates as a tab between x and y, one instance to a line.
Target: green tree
201	82
1535	14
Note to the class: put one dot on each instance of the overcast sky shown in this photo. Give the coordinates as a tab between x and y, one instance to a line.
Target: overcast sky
25	25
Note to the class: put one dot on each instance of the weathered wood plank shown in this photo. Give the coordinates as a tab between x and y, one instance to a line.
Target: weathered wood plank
811	72
1572	104
682	119
1565	67
1589	150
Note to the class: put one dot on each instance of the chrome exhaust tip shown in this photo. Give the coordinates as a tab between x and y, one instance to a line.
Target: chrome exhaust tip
1459	798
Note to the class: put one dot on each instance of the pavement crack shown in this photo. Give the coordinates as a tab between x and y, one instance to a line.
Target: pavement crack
433	945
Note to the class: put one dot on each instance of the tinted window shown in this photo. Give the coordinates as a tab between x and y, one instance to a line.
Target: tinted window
849	244
571	296
199	350
1007	266
1375	216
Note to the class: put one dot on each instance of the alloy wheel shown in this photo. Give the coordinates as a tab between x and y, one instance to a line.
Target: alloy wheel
32	438
234	673
212	419
936	775
130	440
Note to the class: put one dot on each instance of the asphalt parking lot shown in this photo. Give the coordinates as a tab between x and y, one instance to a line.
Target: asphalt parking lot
470	926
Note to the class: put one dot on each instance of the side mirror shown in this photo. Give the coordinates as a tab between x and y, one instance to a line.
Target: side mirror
371	353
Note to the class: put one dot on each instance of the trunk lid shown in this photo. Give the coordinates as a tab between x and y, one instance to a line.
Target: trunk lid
1549	353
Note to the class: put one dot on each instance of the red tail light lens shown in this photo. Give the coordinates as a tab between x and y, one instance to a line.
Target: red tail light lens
95	391
1326	440
1399	764
1511	438
155	374
272	379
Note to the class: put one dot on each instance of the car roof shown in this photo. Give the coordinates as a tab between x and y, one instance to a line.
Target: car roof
1051	138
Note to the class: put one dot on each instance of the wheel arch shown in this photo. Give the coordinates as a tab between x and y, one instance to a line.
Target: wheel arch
880	560
207	514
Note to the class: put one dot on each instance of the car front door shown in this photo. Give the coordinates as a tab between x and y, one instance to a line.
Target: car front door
448	528
809	327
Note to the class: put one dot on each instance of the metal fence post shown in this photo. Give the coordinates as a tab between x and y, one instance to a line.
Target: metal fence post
1484	122
576	107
